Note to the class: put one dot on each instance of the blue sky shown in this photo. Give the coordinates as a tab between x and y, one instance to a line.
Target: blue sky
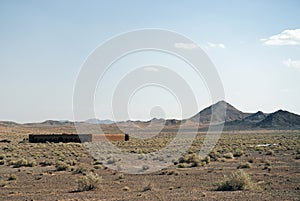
253	44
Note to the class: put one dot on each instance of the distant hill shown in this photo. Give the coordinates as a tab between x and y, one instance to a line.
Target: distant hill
232	114
8	124
97	121
280	120
51	123
234	120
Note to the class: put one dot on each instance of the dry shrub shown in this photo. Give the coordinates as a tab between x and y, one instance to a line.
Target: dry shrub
89	182
228	155
244	165
61	166
238	153
23	162
238	180
12	177
2	183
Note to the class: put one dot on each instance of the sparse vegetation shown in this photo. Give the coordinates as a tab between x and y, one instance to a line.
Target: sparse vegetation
228	155
2	183
23	163
244	165
238	153
265	169
61	166
270	152
89	182
2	156
12	177
238	180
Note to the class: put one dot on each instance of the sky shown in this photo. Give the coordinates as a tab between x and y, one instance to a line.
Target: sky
254	45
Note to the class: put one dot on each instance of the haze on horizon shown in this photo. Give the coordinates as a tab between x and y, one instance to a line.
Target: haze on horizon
254	45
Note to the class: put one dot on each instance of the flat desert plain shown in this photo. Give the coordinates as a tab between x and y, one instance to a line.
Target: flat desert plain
246	165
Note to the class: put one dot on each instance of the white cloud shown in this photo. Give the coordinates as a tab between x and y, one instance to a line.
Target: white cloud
151	69
186	45
218	45
287	37
292	63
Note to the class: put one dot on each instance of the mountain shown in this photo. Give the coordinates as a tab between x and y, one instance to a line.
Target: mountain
246	123
254	118
280	120
97	121
234	120
232	114
8	124
51	123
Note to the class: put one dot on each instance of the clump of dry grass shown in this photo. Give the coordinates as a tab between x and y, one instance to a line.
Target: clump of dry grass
12	177
2	183
191	159
61	166
23	163
244	165
89	182
238	180
2	156
45	163
228	155
238	153
270	152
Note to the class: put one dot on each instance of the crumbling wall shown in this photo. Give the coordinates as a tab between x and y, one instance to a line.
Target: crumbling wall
42	138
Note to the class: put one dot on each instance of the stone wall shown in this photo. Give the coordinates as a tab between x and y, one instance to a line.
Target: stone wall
41	138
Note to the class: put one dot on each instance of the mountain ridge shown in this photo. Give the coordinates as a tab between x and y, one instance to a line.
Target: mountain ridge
218	113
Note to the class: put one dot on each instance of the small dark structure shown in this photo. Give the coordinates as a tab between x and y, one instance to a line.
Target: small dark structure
41	138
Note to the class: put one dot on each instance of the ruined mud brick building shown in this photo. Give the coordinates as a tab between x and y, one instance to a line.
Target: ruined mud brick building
40	138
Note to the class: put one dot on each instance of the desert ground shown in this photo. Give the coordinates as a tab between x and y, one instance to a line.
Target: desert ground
266	165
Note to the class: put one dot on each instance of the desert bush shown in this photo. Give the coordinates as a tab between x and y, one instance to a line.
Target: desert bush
2	156
238	180
297	157
23	163
244	165
12	177
2	183
206	159
214	155
182	165
173	172
228	155
191	159
61	166
71	162
89	182
267	168
80	170
238	153
2	162
121	176
267	163
46	163
270	152
98	167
